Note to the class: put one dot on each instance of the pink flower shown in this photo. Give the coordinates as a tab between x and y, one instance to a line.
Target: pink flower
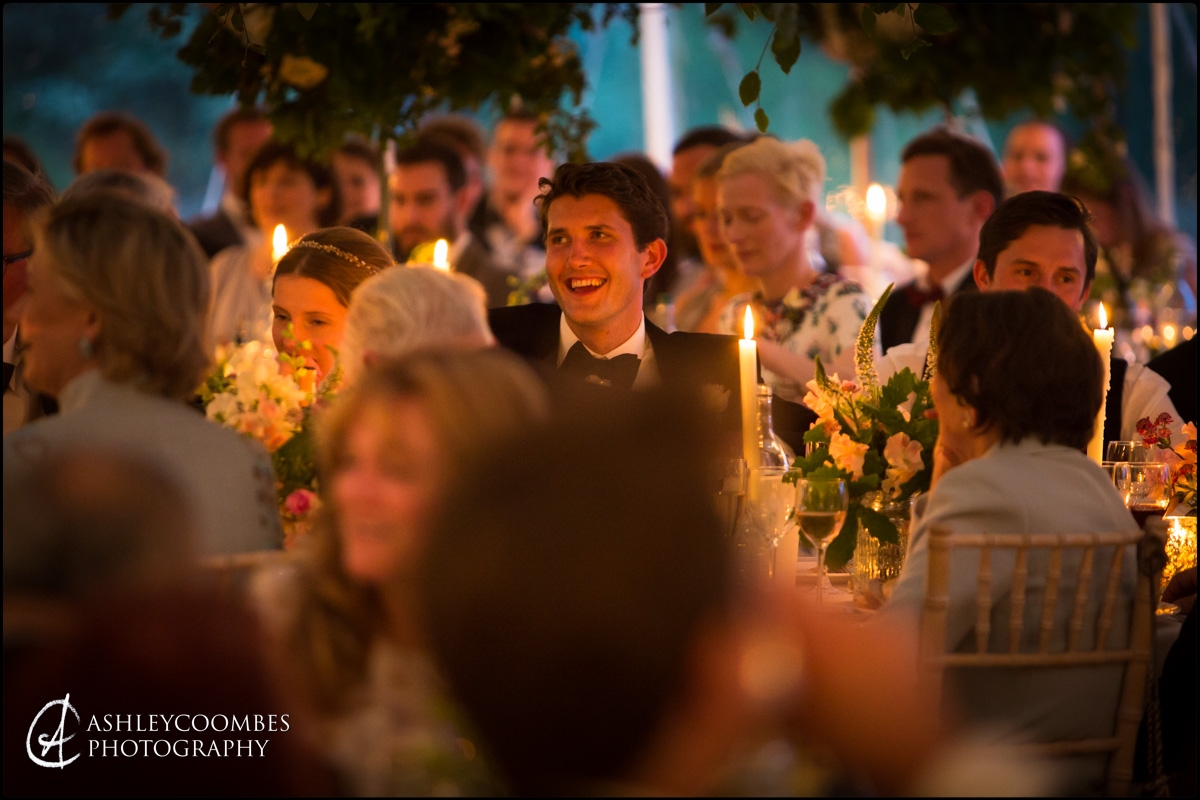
300	502
847	454
1156	433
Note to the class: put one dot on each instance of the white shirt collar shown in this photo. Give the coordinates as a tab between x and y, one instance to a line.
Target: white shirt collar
10	348
458	246
635	344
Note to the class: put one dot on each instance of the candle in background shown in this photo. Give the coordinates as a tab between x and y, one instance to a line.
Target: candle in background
876	211
440	252
748	365
1103	337
279	243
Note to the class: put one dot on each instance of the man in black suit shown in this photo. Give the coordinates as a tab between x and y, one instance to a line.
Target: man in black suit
605	233
948	186
238	136
429	201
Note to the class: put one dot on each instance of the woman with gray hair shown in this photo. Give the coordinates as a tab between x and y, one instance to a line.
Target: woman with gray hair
403	310
115	328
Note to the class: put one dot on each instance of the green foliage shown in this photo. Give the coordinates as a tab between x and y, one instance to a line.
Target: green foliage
324	70
915	57
749	88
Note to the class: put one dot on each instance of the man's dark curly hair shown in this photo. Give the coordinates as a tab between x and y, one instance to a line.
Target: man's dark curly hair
625	186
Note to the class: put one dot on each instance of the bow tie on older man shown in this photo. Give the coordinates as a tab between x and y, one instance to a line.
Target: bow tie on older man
919	297
618	372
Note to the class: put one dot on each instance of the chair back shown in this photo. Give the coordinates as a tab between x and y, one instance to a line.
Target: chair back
1088	625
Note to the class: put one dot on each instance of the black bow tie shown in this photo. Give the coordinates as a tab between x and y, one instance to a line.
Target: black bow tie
919	297
619	371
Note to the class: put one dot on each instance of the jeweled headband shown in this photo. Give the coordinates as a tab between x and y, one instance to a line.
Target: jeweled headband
337	251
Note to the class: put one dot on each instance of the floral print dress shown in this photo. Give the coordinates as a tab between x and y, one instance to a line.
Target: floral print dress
823	319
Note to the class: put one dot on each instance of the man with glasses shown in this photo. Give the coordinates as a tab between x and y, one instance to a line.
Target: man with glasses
24	193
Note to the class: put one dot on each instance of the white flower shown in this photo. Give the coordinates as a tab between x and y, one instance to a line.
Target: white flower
904	461
905	408
223	407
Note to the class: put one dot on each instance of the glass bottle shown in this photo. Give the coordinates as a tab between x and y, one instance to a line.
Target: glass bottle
772	451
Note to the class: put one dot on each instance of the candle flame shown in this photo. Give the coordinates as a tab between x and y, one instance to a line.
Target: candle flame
440	251
748	325
876	202
1103	317
279	243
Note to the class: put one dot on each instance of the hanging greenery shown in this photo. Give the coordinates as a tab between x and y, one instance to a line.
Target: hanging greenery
1046	58
323	70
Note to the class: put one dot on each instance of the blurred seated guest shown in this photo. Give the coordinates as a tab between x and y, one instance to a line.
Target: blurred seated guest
698	306
142	187
114	324
101	595
692	150
949	184
672	275
280	189
505	221
463	135
616	653
429	202
1139	253
1017	389
24	193
357	165
387	450
1178	366
1035	157
767	196
116	140
311	292
236	138
18	151
408	309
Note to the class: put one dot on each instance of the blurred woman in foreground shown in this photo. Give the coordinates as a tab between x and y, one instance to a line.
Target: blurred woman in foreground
387	449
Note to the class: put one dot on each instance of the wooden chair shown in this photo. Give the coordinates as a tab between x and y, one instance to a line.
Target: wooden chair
934	650
231	574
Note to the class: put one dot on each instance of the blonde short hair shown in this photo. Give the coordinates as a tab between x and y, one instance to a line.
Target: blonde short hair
796	169
146	277
404	309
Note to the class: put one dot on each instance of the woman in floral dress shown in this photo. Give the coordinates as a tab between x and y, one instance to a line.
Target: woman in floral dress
768	191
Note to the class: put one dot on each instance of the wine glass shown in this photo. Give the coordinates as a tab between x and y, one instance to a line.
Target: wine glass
821	507
1131	451
1145	487
768	506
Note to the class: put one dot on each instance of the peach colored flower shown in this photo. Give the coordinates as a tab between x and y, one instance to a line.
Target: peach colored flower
847	454
903	455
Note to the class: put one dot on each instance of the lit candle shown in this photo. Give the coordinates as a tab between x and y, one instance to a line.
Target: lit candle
279	243
440	252
1103	337
748	364
876	210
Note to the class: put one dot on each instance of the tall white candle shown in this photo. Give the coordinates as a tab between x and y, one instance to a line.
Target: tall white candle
748	365
876	210
1103	337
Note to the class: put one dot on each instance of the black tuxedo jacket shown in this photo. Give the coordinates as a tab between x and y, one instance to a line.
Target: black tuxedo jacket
898	320
690	363
215	233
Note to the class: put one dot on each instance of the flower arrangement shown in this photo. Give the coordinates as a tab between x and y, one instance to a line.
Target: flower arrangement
876	437
255	392
1181	458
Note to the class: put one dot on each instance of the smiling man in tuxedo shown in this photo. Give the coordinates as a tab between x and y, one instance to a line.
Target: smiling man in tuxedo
605	233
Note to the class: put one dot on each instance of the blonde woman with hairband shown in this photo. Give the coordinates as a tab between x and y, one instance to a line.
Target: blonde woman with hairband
768	191
311	293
